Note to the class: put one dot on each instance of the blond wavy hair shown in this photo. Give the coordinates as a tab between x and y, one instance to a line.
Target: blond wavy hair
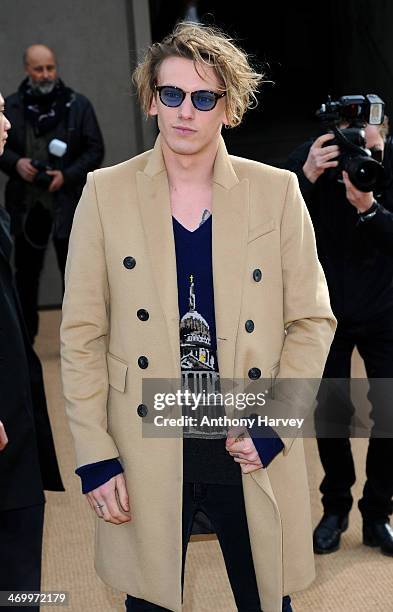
203	45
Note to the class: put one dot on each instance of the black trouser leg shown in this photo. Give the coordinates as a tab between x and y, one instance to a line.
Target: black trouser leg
333	418
29	262
376	348
339	477
376	503
61	248
20	551
224	505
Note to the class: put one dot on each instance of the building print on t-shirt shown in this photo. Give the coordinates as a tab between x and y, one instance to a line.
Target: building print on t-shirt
199	367
195	342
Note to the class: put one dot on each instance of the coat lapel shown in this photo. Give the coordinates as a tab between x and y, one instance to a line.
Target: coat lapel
230	230
153	193
229	236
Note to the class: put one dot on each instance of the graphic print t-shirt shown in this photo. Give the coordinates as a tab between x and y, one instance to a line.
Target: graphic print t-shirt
205	458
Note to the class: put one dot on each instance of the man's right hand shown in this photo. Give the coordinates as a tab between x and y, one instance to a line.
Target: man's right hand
3	437
320	158
112	496
25	169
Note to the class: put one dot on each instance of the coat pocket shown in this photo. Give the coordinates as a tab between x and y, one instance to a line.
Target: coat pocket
261	229
117	372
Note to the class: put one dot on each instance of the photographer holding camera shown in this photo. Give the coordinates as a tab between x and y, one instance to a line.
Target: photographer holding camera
344	186
55	140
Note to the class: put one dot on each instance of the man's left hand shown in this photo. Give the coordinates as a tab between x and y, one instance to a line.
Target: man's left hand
57	181
359	199
241	447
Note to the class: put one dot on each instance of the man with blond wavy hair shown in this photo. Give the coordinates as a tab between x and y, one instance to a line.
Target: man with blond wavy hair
186	263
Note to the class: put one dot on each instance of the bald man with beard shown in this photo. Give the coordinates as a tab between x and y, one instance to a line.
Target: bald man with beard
45	184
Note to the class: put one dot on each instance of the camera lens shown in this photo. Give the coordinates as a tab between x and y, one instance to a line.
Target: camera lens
364	173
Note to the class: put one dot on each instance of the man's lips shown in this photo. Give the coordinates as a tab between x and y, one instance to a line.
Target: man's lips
183	129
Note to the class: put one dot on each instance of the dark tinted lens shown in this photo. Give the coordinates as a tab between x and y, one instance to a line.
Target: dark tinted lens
204	100
171	96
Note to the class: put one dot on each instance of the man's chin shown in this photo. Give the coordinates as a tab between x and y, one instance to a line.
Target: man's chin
182	146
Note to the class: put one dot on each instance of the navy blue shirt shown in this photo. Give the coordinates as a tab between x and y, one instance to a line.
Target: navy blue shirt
205	458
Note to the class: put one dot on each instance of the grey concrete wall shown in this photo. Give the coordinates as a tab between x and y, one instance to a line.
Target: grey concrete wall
94	41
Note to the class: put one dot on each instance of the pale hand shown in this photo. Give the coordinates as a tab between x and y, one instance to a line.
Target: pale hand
3	437
361	200
241	447
57	181
320	158
113	496
25	169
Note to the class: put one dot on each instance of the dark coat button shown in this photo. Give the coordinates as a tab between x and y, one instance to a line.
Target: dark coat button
249	325
143	362
129	263
142	410
254	373
257	275
142	314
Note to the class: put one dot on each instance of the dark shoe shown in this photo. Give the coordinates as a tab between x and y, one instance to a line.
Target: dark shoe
379	533
328	532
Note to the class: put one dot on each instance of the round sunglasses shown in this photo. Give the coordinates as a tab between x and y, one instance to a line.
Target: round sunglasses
202	99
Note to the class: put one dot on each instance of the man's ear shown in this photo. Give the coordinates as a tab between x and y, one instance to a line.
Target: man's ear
153	106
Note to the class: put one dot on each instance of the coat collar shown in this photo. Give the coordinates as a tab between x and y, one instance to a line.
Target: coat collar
229	242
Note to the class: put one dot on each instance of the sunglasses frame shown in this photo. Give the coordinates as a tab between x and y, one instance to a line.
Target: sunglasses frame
216	95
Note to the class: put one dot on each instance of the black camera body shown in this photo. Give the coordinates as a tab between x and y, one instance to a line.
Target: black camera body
42	179
365	173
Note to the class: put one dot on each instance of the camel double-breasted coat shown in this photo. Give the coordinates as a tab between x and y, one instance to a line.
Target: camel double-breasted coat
259	222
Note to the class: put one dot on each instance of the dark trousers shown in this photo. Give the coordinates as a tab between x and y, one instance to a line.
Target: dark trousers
20	551
224	506
374	341
29	262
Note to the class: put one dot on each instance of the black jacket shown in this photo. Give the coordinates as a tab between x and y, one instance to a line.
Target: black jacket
85	152
357	257
28	463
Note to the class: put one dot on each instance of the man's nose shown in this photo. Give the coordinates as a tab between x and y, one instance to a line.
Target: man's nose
186	108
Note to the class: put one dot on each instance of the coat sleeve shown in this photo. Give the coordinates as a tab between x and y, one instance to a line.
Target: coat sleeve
308	318
8	161
378	228
92	148
84	334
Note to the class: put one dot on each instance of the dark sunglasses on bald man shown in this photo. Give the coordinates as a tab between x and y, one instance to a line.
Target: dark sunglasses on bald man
203	100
